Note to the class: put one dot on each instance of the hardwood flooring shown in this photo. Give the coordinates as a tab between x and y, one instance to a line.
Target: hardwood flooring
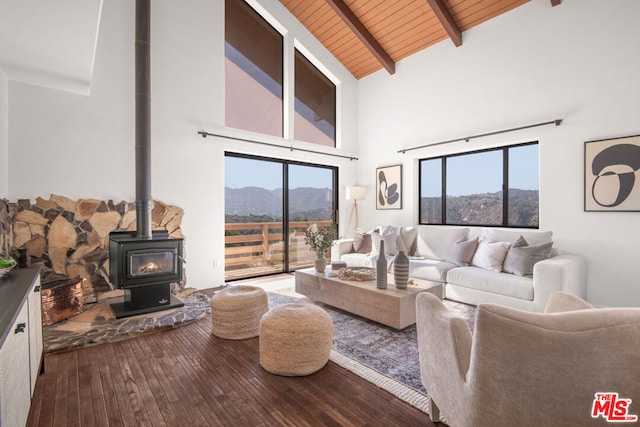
188	377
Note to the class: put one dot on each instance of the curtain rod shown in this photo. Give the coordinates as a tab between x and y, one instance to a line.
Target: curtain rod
556	122
292	148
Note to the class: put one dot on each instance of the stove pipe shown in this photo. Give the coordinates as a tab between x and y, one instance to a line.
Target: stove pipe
143	118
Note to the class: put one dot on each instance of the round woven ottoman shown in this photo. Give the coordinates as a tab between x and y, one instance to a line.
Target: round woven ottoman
236	312
295	339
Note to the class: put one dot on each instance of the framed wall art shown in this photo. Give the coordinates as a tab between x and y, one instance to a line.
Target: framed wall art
389	187
611	177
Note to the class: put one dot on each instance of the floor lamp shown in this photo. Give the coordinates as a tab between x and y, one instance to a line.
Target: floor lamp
355	193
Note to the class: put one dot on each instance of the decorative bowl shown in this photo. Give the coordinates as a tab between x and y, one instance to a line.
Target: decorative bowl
360	274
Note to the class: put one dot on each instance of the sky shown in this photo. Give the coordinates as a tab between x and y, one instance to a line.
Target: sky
241	172
482	172
472	175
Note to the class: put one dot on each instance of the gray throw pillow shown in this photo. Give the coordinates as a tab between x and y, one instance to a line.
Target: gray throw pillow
521	259
462	252
361	241
519	243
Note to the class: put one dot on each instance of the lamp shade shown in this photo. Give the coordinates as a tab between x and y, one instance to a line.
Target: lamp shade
355	192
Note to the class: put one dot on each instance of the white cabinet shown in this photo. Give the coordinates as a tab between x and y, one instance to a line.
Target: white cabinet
20	344
35	332
15	393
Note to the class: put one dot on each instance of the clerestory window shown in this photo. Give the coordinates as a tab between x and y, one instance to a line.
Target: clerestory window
469	188
253	71
255	82
315	105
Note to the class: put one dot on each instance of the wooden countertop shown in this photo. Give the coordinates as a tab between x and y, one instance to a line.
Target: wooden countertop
14	291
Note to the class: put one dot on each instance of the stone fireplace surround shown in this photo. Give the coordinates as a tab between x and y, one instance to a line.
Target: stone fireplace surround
70	239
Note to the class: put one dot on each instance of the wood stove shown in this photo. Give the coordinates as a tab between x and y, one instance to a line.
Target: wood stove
144	263
145	269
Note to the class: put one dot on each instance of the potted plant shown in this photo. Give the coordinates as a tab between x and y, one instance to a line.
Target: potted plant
6	264
319	240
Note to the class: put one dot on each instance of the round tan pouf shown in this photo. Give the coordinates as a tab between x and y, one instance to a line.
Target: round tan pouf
295	339
236	312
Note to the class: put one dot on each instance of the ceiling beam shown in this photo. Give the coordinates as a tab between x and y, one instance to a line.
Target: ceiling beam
555	2
363	34
447	21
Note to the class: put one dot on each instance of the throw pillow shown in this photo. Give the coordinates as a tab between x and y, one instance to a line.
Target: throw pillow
389	235
462	252
521	259
361	241
519	243
490	255
375	243
406	240
435	242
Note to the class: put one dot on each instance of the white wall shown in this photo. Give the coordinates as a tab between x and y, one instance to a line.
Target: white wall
54	133
4	135
578	61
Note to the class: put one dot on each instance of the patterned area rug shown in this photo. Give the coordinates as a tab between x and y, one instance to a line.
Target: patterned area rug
385	350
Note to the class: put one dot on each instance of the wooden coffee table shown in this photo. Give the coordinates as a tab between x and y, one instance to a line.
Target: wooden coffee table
392	307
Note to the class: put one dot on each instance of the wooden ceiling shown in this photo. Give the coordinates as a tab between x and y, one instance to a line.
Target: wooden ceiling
367	35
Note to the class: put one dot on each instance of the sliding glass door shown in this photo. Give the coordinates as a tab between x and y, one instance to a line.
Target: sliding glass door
311	200
253	239
268	205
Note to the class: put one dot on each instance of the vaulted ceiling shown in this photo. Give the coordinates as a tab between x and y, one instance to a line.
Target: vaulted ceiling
53	43
368	35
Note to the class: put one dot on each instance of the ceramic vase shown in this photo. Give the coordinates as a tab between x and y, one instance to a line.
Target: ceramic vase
381	268
320	262
401	270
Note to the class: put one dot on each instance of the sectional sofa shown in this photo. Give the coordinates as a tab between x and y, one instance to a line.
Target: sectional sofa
518	268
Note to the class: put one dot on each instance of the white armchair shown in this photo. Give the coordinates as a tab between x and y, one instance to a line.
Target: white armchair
528	369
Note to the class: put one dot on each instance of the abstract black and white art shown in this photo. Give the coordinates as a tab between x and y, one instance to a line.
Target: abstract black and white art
611	174
389	187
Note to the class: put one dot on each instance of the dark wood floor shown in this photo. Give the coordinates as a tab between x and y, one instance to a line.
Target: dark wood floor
187	377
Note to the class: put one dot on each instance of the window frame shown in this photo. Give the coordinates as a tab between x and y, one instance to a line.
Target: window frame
505	187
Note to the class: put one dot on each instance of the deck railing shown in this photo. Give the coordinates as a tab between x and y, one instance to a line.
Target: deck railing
254	248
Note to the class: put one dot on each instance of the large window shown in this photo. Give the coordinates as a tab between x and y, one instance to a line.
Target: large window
468	189
269	203
255	80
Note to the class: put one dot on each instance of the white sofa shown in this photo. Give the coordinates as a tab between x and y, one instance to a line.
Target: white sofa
518	268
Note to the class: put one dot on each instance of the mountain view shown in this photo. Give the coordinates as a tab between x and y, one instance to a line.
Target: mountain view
255	204
483	208
262	205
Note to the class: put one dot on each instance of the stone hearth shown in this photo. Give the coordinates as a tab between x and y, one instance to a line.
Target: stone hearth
97	323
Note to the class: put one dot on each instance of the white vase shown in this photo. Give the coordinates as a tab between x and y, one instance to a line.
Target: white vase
320	262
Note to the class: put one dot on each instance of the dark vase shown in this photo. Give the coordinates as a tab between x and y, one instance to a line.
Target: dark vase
381	268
